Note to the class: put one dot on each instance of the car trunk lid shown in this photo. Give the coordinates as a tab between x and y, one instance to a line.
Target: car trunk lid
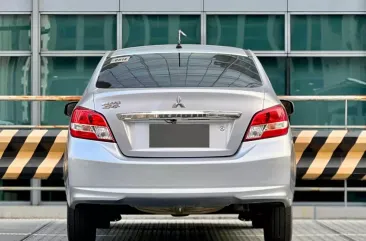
178	122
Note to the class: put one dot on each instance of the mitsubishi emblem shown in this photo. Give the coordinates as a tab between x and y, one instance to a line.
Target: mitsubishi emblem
179	103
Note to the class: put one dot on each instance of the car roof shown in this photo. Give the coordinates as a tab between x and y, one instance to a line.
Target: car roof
186	48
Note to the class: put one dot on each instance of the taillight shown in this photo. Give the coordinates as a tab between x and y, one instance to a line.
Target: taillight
88	124
268	123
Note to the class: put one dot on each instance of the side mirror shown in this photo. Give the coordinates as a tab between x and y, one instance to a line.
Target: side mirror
289	106
69	107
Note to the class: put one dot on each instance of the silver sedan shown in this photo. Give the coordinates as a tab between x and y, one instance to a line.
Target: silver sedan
179	130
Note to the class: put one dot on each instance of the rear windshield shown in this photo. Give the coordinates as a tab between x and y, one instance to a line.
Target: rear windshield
179	70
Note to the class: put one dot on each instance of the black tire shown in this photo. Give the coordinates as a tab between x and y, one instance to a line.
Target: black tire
103	223
257	222
278	224
80	224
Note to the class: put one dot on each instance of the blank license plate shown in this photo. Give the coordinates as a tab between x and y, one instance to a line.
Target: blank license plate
179	135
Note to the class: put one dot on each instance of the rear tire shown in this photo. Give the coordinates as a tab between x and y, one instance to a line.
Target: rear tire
103	223
80	224
278	224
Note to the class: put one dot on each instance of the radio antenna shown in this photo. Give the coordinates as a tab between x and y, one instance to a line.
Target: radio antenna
180	32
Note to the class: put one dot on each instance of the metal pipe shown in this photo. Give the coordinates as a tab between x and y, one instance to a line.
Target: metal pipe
291	98
32	188
38	98
324	98
65	127
77	98
346	113
326	127
330	189
345	193
35	195
33	127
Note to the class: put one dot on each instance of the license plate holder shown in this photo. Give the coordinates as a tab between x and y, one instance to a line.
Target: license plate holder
179	135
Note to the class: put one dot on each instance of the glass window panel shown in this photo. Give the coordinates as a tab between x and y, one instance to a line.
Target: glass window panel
256	32
15	32
78	32
327	76
15	75
14	195
318	113
328	32
168	70
138	30
63	76
356	114
276	72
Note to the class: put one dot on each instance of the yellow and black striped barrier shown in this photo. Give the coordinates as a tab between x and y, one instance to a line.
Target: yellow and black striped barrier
329	155
26	154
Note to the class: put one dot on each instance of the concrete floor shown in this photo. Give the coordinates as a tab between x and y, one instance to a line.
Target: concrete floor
210	228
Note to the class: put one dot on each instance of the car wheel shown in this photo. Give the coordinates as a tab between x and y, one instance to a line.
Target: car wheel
278	224
80	224
257	222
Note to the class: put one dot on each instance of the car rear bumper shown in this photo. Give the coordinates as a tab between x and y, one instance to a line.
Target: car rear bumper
261	171
203	197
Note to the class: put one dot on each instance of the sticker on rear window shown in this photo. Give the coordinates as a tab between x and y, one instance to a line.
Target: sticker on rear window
120	59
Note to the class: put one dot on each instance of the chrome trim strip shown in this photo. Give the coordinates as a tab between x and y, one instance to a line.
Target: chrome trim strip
188	115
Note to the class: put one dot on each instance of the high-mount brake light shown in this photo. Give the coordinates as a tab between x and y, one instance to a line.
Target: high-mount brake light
271	122
88	124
